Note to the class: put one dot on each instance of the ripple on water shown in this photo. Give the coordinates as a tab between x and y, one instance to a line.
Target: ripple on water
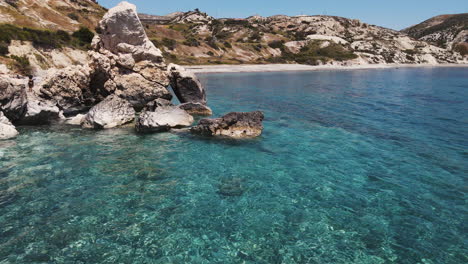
349	170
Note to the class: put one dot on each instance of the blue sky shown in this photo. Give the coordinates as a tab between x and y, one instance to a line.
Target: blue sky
396	14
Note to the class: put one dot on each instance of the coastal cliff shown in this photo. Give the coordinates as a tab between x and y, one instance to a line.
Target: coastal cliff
38	35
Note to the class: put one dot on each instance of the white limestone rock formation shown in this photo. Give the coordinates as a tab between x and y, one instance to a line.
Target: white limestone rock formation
163	119
112	112
7	130
69	88
125	62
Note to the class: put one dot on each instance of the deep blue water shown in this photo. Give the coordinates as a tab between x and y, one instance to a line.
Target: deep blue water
364	166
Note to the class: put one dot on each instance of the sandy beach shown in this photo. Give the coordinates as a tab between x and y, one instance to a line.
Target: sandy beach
301	67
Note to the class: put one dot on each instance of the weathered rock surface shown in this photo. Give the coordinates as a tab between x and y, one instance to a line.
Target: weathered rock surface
7	130
151	106
12	97
39	111
75	120
235	125
69	87
163	119
196	109
112	112
186	85
125	61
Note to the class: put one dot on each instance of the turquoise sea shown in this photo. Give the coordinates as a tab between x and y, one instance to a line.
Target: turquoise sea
366	166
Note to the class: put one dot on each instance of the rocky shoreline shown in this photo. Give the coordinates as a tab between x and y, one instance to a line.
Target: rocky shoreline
125	81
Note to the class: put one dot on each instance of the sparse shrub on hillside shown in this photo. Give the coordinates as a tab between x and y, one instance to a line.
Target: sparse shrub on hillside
462	49
13	3
276	44
192	42
73	16
255	37
169	43
313	54
84	35
411	51
210	53
3	49
236	22
227	45
258	47
63	35
301	35
22	64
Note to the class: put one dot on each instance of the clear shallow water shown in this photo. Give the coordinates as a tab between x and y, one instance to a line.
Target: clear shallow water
353	167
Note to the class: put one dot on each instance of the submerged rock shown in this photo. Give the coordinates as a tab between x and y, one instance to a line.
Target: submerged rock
196	109
112	112
7	130
186	85
235	125
163	119
231	187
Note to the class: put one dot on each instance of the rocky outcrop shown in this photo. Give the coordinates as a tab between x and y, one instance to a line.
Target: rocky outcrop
125	62
7	130
23	107
112	112
75	120
69	88
186	85
12	97
163	119
39	112
151	106
196	109
234	125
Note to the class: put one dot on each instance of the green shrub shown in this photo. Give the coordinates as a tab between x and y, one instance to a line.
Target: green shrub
3	49
63	35
22	64
276	44
84	35
169	43
462	49
192	42
73	16
227	45
313	53
210	53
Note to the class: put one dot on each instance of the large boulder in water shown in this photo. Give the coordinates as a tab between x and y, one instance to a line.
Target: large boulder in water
163	119
235	125
12	96
7	130
69	88
111	112
186	85
124	61
39	111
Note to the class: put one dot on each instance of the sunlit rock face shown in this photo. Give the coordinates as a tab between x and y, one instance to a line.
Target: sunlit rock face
112	112
125	62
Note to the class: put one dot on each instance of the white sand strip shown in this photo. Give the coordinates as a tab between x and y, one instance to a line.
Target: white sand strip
301	67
